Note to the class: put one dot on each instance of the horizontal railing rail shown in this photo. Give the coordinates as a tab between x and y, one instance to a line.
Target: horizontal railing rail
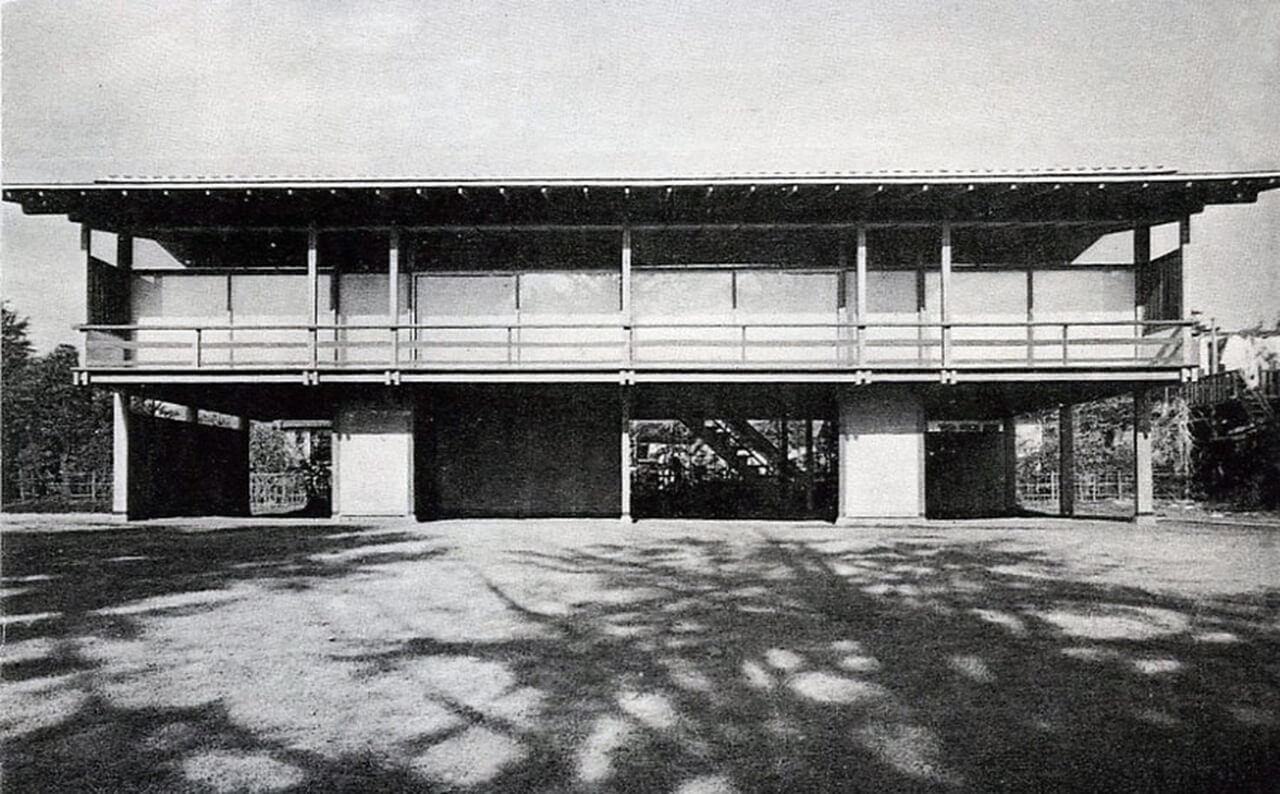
601	345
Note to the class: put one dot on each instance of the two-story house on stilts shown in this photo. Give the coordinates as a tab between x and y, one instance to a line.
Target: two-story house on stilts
485	347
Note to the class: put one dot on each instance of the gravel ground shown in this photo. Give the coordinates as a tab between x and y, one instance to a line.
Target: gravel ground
1010	655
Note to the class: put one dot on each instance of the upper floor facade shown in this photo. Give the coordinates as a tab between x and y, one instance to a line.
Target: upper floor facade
1046	276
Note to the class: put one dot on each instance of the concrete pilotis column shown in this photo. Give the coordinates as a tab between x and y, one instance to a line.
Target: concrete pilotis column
374	459
881	453
1066	460
1143	487
1010	440
120	454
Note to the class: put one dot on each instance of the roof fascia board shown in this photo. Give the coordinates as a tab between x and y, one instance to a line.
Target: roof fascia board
1105	177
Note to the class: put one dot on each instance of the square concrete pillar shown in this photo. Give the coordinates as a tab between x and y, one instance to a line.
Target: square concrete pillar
881	453
120	454
373	460
1143	483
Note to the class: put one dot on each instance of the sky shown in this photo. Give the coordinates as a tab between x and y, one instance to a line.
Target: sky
641	88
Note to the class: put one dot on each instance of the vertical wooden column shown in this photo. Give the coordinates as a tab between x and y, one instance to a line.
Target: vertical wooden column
393	293
860	280
123	311
1066	460
624	449
624	298
1143	486
944	294
313	293
923	351
124	252
845	333
1142	273
1031	316
93	312
120	453
1190	345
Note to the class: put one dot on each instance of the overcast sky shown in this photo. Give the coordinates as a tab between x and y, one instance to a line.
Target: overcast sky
321	87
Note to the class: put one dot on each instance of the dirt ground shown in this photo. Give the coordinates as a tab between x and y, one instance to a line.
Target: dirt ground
694	657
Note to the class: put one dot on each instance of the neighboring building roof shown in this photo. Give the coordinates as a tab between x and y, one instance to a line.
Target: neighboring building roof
1085	194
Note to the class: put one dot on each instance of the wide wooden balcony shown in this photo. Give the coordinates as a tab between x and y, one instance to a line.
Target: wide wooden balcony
914	350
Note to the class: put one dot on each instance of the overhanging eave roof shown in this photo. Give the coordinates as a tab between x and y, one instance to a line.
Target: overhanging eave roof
1100	195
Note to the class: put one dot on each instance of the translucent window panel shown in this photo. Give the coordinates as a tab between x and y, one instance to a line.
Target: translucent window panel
103	245
1165	239
989	294
268	299
658	343
178	295
764	292
1086	292
585	344
269	295
153	255
362	300
362	297
570	293
891	292
933	295
673	293
1108	249
466	296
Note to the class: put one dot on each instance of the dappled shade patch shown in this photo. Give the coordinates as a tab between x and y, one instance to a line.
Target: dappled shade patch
509	657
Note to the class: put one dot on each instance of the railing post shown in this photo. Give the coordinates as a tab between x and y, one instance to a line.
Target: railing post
861	350
395	347
744	342
510	344
196	353
1189	352
629	344
946	344
1066	355
314	333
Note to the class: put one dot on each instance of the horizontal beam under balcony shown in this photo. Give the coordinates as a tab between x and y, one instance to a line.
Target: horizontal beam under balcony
1086	345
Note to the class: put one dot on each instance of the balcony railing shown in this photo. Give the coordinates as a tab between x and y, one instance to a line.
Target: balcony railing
602	346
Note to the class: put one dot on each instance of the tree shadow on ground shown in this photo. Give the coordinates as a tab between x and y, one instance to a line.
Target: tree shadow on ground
58	582
695	665
907	667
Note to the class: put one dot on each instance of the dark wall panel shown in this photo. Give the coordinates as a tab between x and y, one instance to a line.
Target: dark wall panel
964	475
520	451
186	469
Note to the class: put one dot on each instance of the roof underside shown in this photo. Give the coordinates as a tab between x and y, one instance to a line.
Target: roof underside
1102	196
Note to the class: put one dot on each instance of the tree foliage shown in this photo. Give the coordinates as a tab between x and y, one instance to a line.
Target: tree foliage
52	428
17	347
1104	437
